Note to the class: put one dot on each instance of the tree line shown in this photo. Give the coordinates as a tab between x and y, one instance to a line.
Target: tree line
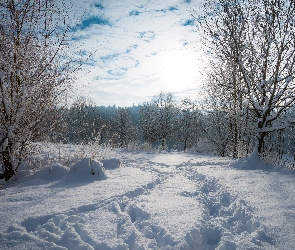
164	124
161	122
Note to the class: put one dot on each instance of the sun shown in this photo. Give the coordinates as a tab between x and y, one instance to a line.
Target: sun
178	70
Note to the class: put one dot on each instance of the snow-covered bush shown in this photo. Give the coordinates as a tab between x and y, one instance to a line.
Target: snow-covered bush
34	73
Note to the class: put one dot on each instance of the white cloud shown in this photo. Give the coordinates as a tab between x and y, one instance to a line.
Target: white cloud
143	47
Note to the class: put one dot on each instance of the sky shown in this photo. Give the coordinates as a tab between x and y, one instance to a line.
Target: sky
142	47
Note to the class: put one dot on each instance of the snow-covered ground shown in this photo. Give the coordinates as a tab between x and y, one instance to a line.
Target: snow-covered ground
148	201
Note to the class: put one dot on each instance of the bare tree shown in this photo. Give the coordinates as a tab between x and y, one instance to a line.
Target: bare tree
257	37
35	70
147	122
165	113
123	125
157	118
226	97
188	123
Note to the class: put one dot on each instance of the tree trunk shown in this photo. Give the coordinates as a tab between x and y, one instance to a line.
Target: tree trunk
163	143
235	140
185	144
8	168
260	142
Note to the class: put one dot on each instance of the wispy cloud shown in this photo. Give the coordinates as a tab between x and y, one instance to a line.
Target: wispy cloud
86	23
134	13
98	5
134	40
189	22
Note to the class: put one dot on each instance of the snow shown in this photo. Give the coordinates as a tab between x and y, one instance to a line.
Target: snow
137	200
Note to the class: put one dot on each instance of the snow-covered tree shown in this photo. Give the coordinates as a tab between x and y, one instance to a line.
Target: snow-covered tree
216	127
52	126
147	122
122	125
165	116
226	99
83	121
157	118
187	124
34	71
257	37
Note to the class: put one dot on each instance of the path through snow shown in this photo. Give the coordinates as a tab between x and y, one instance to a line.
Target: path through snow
152	201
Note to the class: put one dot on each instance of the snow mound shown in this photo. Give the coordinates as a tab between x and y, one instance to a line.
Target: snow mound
112	163
2	182
250	162
40	177
86	170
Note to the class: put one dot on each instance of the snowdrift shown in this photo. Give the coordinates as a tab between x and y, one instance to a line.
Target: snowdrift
83	171
86	170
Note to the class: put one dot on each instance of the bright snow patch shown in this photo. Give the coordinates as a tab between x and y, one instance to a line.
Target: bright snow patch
149	201
86	170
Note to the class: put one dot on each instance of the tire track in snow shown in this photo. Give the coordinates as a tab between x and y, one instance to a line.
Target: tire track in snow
66	229
134	225
229	221
137	230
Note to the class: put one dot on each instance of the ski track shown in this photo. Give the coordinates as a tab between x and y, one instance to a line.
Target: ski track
225	221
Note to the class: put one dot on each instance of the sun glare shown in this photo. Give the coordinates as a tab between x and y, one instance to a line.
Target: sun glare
178	70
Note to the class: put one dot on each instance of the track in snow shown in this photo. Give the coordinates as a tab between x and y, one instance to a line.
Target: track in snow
180	209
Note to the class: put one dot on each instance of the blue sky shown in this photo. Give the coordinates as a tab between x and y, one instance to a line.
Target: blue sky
142	47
